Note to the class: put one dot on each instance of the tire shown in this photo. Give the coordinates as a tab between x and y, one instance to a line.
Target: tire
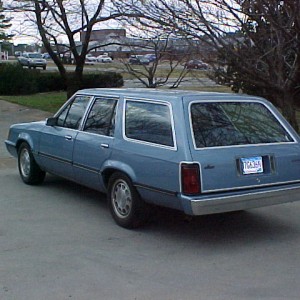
29	170
44	67
126	207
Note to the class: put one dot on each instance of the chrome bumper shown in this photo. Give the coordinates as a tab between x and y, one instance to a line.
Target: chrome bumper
243	201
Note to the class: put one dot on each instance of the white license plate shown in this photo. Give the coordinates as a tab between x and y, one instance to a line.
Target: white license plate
252	165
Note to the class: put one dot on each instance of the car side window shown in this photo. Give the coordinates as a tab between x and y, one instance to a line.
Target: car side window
101	119
72	114
149	122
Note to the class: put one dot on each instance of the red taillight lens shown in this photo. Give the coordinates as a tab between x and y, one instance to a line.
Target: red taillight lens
190	179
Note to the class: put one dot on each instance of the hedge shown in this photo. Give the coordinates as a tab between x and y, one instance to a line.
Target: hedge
16	80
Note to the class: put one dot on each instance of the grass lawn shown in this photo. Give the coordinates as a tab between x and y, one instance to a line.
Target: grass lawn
44	101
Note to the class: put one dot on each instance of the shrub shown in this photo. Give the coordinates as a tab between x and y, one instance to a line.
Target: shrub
16	80
102	80
50	82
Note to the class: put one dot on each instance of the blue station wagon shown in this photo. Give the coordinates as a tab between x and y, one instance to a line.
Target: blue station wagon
197	152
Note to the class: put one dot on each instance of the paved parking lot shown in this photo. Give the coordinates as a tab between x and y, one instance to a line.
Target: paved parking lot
58	241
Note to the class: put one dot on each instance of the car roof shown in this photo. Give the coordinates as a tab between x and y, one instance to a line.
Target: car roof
164	94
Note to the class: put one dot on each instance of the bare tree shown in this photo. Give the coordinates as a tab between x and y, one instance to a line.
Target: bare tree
5	23
257	41
161	64
58	20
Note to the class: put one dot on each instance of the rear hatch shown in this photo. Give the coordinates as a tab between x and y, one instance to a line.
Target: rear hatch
242	144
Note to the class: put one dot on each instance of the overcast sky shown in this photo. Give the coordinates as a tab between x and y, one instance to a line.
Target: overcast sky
24	34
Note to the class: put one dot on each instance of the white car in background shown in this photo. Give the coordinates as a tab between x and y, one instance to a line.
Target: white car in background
32	60
90	59
104	59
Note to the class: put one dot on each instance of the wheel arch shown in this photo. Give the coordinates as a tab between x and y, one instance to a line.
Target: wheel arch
112	167
24	138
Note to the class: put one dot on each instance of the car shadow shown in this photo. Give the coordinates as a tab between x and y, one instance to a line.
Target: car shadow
83	194
224	229
240	227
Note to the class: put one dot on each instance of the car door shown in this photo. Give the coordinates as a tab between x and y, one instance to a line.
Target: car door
93	145
57	142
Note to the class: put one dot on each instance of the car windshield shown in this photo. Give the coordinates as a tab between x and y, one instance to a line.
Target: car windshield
35	55
235	123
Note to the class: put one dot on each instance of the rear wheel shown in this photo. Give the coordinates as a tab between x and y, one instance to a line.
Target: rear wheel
126	206
29	170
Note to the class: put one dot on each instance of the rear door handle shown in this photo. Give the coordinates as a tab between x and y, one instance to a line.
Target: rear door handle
104	146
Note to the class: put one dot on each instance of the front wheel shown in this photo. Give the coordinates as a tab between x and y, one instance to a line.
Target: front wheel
29	170
126	206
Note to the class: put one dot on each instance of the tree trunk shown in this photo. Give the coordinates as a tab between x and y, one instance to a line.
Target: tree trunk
74	83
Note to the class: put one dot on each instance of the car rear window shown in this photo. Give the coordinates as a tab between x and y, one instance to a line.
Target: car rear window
235	123
149	122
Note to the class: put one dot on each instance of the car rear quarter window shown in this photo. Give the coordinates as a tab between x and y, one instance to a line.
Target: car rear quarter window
149	122
235	123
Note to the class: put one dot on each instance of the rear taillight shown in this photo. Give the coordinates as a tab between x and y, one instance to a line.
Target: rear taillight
190	179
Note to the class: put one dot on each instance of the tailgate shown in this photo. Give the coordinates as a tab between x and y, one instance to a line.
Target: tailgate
240	167
242	144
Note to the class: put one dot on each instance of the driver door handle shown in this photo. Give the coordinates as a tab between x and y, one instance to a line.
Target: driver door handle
68	137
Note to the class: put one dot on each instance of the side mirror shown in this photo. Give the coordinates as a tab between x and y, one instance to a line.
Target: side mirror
51	121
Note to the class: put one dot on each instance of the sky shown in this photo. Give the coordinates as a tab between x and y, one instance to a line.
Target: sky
24	34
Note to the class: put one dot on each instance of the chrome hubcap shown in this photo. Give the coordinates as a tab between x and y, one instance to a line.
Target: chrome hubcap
25	162
121	197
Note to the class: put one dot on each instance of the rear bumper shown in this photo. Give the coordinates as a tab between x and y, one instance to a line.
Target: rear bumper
211	204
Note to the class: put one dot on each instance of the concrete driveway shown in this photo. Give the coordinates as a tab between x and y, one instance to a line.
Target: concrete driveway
58	241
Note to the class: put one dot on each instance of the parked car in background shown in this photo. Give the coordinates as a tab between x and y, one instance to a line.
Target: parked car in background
32	60
200	153
90	59
151	57
197	64
104	59
46	55
138	60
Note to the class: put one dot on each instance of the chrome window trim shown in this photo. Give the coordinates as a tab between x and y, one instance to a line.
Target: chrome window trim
97	134
238	146
160	102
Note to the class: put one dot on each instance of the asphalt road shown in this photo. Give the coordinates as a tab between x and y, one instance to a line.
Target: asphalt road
58	241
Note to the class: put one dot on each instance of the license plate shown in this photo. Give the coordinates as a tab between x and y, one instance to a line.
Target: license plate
252	165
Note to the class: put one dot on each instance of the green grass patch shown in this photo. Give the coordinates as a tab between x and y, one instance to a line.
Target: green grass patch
44	101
